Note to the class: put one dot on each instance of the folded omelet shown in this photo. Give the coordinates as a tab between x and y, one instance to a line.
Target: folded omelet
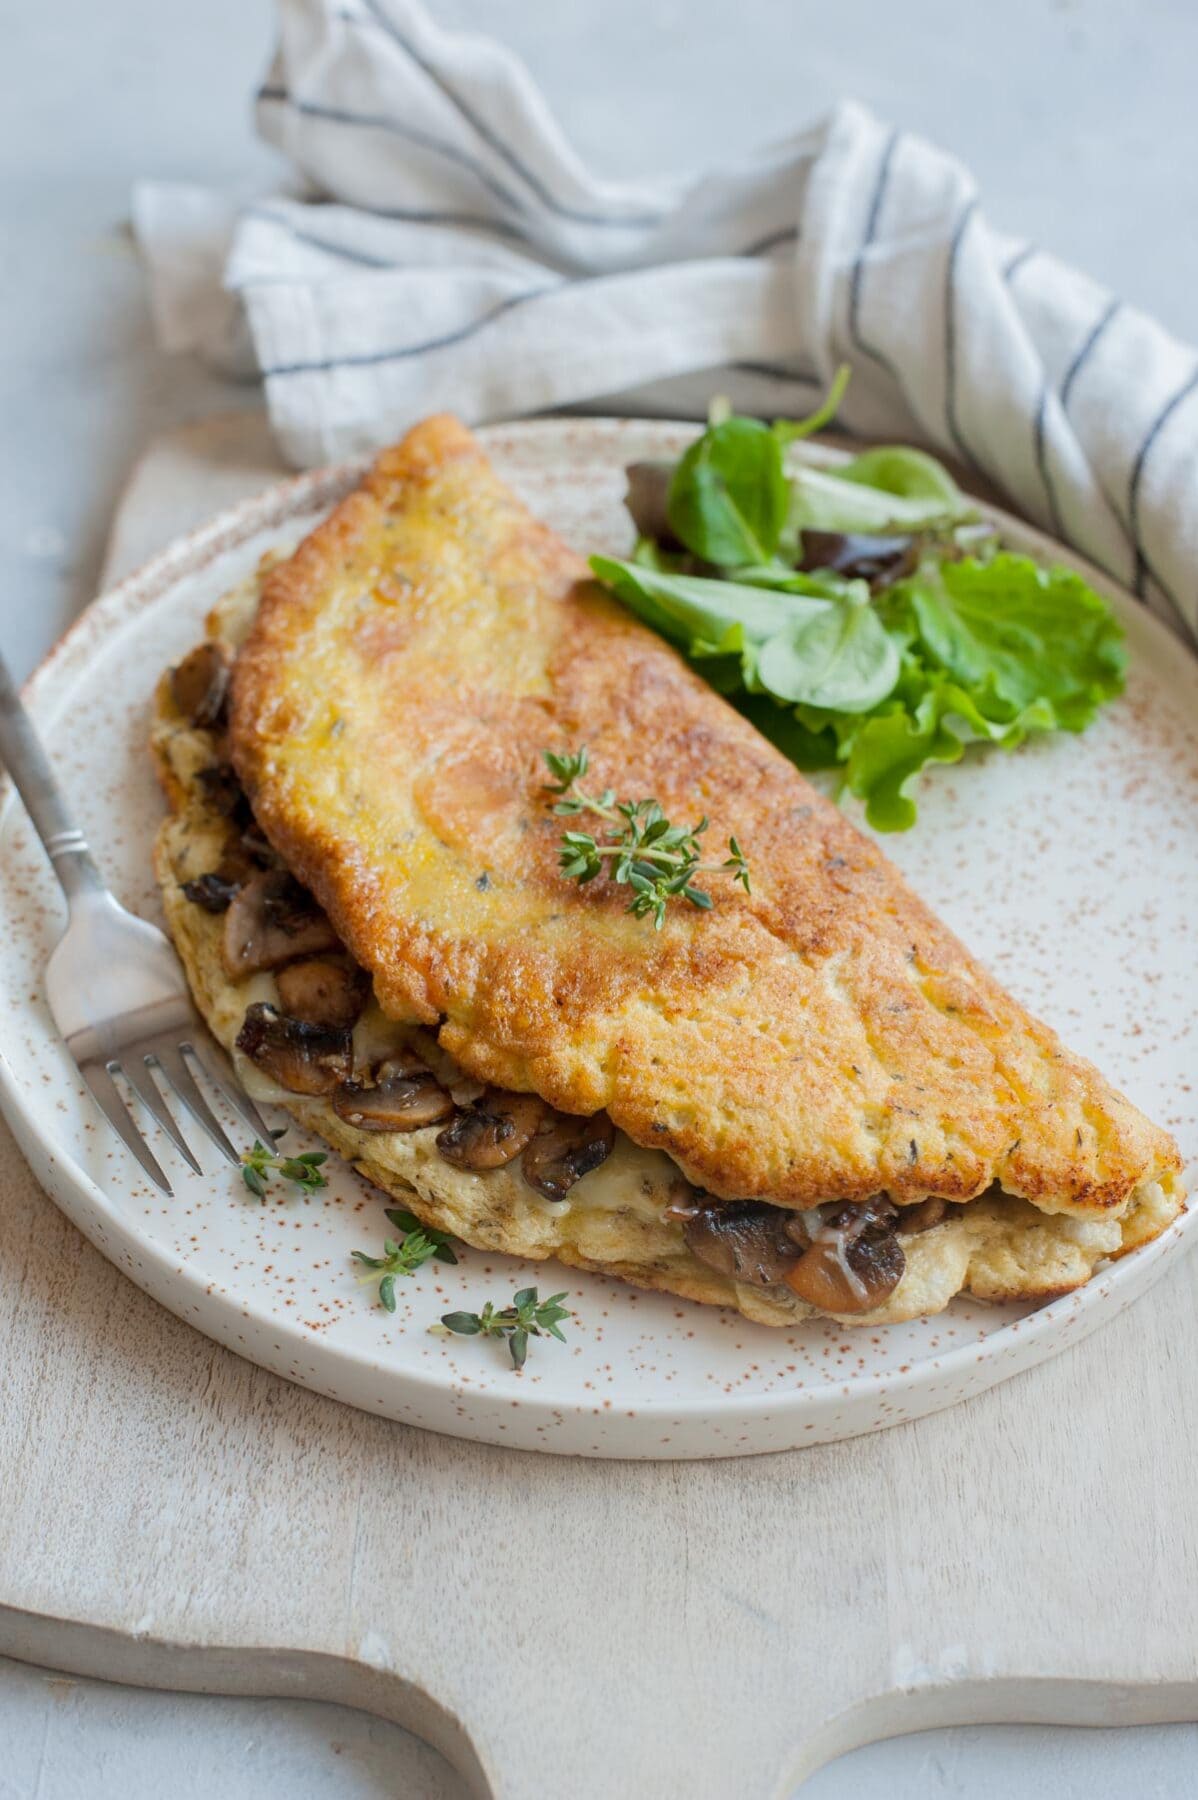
808	1098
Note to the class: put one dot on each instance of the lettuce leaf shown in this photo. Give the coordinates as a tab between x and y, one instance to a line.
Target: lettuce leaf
1012	632
992	653
808	748
963	651
721	620
728	495
883	757
841	658
801	638
881	491
911	474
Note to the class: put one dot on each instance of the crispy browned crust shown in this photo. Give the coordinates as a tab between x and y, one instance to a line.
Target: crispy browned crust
825	1037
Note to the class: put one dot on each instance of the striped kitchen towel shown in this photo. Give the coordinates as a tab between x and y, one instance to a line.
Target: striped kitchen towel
444	248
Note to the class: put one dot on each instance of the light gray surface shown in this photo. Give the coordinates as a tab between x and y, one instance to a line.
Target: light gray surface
85	1740
1077	116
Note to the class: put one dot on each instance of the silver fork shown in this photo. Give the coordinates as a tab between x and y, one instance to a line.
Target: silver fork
114	983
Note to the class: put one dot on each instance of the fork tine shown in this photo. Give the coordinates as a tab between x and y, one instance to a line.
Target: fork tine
107	1097
212	1061
179	1077
138	1074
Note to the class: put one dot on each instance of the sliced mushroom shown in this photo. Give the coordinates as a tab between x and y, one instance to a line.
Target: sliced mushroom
212	892
304	1059
565	1149
200	684
854	1262
746	1239
223	792
929	1212
491	1132
235	866
286	905
273	921
217	888
252	844
404	1096
323	992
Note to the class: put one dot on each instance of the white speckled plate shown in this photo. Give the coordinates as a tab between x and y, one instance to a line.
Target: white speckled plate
1071	867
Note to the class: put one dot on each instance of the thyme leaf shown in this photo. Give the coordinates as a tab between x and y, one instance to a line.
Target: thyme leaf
656	859
404	1255
527	1317
259	1164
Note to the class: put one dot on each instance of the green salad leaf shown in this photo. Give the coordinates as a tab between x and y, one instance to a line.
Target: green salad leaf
873	682
806	747
909	473
807	639
692	609
1013	650
840	658
728	496
933	724
789	431
844	499
1019	633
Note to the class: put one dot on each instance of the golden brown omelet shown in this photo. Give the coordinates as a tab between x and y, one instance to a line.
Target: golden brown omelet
824	1040
824	1037
619	1219
821	1041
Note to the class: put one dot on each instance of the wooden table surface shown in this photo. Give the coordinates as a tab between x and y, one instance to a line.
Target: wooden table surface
170	1515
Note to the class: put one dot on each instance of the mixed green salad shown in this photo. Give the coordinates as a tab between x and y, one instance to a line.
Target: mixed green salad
864	617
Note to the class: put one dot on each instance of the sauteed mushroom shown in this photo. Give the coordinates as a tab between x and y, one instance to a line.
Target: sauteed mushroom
491	1132
404	1096
305	1059
273	921
253	846
911	1219
855	1260
565	1149
323	992
746	1239
212	892
200	684
240	859
224	793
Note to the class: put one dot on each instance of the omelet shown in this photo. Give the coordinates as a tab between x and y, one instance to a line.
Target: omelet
806	1098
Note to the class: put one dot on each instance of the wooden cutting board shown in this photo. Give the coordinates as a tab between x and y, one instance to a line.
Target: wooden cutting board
173	1516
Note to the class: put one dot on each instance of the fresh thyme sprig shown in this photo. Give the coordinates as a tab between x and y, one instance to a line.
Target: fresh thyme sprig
526	1317
657	860
259	1164
404	1256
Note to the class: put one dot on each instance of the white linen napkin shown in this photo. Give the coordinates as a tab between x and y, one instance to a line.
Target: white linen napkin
450	252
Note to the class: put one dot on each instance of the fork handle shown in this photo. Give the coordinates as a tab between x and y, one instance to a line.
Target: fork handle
29	767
